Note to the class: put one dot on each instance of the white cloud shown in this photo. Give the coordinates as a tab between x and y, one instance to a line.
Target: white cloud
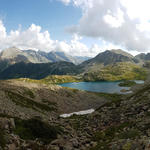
137	9
95	49
78	47
75	47
2	31
66	2
34	38
117	23
114	21
62	46
121	22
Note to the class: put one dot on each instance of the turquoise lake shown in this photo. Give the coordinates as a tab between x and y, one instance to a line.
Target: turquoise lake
100	86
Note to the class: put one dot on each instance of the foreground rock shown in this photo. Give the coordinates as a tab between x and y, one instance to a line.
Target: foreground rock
121	123
24	105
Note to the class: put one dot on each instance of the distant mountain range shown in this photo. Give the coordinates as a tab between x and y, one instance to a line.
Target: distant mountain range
14	55
143	57
110	57
114	56
106	58
113	65
16	63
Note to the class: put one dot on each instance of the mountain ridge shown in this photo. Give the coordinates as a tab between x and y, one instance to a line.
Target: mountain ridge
30	109
15	55
100	67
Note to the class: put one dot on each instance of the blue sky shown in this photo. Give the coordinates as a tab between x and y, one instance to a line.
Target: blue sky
77	27
53	16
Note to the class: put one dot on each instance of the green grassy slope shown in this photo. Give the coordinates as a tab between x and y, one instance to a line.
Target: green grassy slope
118	71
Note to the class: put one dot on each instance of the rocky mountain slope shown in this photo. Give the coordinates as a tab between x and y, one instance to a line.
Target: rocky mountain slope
82	58
30	109
121	52
108	57
55	56
14	55
118	71
143	58
108	65
51	97
112	65
29	113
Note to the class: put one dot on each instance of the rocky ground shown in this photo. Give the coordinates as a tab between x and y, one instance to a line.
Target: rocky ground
27	122
24	100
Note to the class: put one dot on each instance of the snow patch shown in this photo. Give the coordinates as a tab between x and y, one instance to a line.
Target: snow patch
84	112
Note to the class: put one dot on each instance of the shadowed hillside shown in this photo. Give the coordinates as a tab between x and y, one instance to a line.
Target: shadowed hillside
38	71
108	65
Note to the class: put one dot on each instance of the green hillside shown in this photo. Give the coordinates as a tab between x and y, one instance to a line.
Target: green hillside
118	71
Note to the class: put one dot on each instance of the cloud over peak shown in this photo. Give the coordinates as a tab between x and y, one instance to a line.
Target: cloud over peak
33	38
121	22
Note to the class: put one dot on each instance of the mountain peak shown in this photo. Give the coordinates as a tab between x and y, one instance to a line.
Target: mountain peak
13	54
12	49
122	52
10	53
109	57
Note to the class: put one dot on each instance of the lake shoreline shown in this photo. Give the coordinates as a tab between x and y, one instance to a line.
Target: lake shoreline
101	86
